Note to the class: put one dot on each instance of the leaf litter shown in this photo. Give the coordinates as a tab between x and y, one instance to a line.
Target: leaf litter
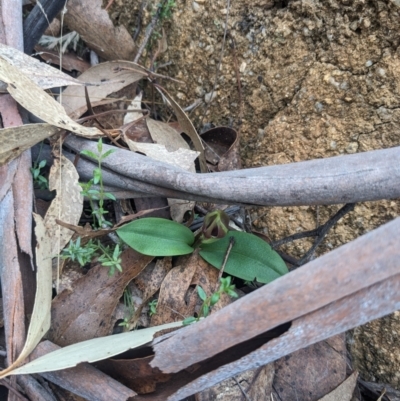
83	317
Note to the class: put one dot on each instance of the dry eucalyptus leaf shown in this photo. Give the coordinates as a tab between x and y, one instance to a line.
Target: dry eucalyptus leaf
87	311
163	134
42	74
66	206
90	351
171	302
15	140
96	29
183	158
187	127
40	319
37	101
344	392
136	104
113	75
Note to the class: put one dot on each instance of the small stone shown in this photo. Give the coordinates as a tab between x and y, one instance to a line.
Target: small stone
368	63
333	145
210	96
196	7
352	147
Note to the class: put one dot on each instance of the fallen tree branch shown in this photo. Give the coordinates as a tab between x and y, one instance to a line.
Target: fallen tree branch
343	179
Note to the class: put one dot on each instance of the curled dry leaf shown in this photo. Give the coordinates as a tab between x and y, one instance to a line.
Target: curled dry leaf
66	206
40	319
15	140
96	29
29	95
186	126
113	76
42	74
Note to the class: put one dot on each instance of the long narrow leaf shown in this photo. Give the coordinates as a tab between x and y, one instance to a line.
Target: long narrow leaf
93	350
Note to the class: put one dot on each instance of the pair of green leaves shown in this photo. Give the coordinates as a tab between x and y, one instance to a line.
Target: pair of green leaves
250	258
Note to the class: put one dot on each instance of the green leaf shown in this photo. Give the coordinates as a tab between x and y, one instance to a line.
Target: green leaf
189	320
202	294
42	164
154	236
100	145
214	298
89	153
108	153
250	257
109	195
96	175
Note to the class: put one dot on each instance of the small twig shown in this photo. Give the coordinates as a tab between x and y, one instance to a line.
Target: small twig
228	251
317	231
324	230
228	6
241	389
5	383
149	31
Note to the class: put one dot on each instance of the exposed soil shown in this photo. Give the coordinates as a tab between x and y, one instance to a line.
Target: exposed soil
318	79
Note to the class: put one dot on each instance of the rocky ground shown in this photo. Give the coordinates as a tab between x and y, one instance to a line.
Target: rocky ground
318	79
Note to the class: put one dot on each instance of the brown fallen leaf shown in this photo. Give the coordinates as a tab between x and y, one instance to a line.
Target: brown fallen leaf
344	392
171	305
86	312
187	127
312	372
148	282
42	74
33	98
66	206
221	148
70	61
15	140
96	29
113	76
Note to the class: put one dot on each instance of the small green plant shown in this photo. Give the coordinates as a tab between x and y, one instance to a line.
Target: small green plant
250	258
38	179
107	256
130	308
153	307
166	9
208	302
93	194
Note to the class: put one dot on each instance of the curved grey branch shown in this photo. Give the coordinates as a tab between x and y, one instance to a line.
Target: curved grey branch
343	179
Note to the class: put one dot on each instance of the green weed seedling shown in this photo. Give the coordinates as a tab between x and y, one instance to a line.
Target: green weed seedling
38	179
94	194
208	302
130	308
153	307
108	256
